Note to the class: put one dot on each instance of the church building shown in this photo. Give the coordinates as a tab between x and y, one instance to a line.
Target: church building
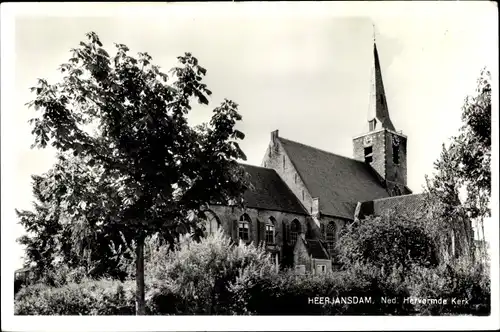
303	196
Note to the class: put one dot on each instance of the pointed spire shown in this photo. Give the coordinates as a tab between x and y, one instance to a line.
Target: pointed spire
379	112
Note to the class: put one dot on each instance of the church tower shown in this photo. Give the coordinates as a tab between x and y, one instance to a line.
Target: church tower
382	147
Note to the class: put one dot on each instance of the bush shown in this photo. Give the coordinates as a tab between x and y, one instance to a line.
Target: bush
197	276
392	241
90	297
287	293
462	280
215	276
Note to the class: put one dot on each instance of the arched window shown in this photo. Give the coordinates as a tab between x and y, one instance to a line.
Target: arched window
244	227
331	233
294	231
211	223
271	231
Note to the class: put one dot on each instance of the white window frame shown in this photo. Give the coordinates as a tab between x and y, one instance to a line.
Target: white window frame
270	233
244	227
322	268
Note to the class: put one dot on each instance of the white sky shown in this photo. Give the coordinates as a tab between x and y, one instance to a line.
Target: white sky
302	68
306	75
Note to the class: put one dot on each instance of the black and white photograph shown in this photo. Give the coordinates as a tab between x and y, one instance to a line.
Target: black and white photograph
249	166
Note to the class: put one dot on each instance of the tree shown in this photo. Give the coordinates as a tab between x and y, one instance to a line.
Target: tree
55	238
390	241
472	149
130	126
465	167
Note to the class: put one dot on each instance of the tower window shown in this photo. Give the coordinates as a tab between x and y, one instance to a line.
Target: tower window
302	194
372	124
295	177
395	154
368	154
283	162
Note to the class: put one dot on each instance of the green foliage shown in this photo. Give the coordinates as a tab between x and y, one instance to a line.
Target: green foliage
465	167
129	163
461	280
90	297
200	275
151	166
219	278
390	241
287	293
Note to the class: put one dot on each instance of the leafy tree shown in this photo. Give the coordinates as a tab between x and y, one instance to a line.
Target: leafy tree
149	167
472	149
465	167
57	238
392	241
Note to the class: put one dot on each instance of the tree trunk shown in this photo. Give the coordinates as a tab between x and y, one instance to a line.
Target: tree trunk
140	305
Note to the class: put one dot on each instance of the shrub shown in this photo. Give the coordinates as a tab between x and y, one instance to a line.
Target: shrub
198	275
461	279
287	293
90	297
389	242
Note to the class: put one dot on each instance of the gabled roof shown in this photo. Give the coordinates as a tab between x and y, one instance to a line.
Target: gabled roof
338	181
270	192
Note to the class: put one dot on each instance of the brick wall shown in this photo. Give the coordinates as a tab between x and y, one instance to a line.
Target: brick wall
395	173
378	150
382	157
229	217
275	154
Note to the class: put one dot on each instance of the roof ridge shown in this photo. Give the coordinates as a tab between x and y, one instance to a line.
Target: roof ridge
261	167
312	147
393	197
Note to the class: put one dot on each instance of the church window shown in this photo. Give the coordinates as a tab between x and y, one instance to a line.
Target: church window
244	227
372	124
368	154
302	194
211	223
321	269
294	231
331	231
283	162
295	177
270	231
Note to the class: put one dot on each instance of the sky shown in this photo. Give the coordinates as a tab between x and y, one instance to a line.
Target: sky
304	72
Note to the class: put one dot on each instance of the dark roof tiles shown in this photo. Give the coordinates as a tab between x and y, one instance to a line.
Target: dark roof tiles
270	192
338	181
